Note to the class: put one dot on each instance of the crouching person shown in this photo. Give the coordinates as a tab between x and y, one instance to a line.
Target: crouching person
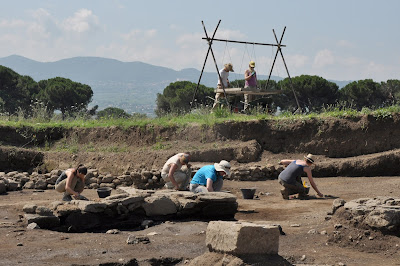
172	173
209	178
290	178
72	183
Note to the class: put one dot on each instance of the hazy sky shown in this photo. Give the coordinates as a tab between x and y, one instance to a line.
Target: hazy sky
340	40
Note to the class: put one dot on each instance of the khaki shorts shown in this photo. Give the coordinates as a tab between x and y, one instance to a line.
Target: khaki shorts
77	185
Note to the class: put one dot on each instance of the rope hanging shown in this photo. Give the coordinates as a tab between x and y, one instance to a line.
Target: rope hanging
255	59
279	50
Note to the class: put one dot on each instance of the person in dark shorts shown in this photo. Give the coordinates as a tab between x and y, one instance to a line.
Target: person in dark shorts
72	183
290	178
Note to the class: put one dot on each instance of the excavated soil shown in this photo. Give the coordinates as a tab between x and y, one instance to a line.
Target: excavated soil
356	158
302	221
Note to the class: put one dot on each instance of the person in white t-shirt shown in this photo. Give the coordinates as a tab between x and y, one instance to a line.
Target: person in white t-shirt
224	73
172	173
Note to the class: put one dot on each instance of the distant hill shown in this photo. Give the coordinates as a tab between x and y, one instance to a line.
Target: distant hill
132	86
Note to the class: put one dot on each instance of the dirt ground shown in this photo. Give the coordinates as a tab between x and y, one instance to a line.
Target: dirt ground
349	147
179	242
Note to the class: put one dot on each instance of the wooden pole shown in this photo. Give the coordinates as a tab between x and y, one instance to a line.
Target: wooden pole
204	64
273	63
256	43
287	70
216	66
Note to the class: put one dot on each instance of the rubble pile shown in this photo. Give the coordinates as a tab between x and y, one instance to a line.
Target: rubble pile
378	213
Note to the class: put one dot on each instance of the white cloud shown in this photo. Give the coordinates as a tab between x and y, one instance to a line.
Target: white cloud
175	27
118	4
82	21
189	40
139	35
376	70
12	24
295	61
151	33
40	14
323	58
345	44
228	35
350	61
37	31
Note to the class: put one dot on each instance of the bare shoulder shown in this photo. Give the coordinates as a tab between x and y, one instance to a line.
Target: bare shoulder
301	162
69	171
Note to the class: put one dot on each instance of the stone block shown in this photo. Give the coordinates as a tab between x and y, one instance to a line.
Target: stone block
242	238
2	187
66	209
43	211
41	184
217	197
29	208
90	206
29	185
52	180
12	185
159	205
44	222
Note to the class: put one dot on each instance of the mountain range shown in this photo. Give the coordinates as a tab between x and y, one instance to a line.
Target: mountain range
132	86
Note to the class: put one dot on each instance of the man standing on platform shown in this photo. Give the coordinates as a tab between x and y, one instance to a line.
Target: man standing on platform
224	74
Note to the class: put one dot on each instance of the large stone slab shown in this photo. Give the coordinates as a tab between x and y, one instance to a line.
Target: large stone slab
90	206
242	238
159	205
44	222
217	197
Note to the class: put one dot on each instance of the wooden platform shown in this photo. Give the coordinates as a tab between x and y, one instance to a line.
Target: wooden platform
240	91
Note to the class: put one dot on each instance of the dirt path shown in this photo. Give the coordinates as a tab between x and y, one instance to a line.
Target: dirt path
174	240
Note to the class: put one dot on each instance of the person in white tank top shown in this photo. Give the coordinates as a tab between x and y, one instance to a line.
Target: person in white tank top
172	173
224	73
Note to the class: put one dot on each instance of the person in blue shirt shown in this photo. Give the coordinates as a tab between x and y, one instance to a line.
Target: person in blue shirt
209	178
290	178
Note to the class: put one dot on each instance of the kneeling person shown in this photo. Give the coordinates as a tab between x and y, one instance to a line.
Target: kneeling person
290	178
173	176
209	177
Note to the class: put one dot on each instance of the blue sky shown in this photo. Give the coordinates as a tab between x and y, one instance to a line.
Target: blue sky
339	40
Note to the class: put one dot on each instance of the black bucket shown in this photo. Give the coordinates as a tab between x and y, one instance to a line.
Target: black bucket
248	193
104	192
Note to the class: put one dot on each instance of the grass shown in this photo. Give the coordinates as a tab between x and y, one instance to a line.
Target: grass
201	117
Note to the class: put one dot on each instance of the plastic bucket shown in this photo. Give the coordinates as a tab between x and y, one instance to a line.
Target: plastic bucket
248	193
104	192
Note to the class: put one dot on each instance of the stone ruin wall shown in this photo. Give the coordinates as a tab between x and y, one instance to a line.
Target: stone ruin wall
145	179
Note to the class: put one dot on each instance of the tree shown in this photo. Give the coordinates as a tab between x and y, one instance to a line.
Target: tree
312	92
391	90
177	96
65	95
363	93
16	91
112	112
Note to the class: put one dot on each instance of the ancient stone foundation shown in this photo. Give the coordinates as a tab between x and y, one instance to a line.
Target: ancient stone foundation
130	208
141	179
